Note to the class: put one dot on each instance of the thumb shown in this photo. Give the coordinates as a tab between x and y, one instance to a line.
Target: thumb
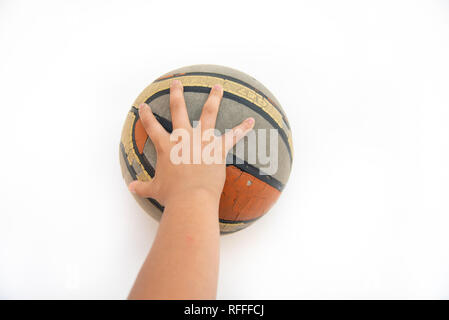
144	189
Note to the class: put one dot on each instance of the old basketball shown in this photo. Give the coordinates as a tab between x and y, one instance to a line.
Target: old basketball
252	184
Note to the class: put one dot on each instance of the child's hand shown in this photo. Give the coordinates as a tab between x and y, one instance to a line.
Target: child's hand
174	181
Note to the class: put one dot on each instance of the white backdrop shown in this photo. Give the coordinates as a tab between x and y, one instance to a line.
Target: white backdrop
365	85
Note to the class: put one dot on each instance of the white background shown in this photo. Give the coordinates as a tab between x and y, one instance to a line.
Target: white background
365	85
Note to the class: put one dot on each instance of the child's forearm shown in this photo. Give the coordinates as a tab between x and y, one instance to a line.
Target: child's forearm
183	262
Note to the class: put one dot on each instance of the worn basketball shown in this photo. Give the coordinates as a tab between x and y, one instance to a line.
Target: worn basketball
250	190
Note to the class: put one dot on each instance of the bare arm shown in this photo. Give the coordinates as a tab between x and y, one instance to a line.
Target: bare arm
183	261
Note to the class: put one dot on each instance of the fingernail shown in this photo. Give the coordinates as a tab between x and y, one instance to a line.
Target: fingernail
142	106
218	88
250	121
132	190
176	83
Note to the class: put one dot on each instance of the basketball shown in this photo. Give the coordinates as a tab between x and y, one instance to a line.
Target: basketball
255	177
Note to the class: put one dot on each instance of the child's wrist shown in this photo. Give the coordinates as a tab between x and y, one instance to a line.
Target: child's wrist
194	195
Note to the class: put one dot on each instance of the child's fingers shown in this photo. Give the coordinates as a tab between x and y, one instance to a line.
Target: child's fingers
143	189
237	133
153	128
178	109
210	108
